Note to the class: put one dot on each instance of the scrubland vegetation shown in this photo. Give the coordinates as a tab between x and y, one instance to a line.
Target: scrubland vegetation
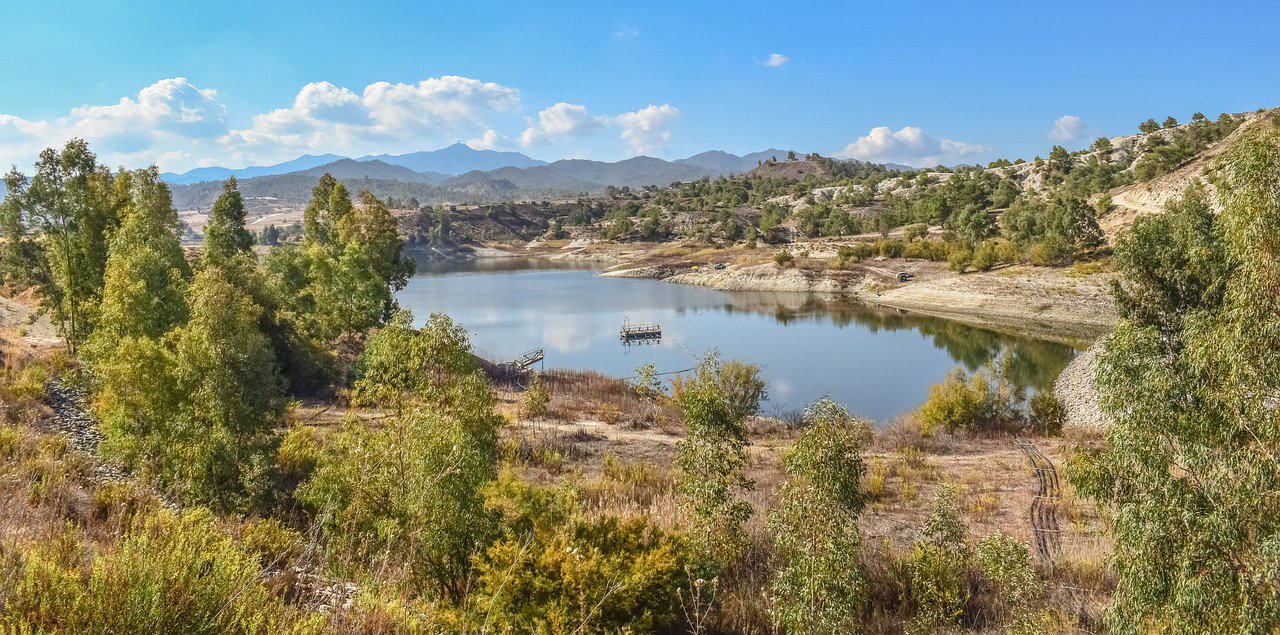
429	502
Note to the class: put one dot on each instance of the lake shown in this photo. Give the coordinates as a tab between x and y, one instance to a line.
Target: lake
878	362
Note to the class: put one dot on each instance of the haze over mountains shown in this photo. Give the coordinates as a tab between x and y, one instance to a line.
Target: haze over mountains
458	173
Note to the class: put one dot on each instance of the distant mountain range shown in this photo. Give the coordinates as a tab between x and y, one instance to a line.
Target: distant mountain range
458	174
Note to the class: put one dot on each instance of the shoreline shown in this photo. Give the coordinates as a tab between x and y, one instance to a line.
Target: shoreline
1052	303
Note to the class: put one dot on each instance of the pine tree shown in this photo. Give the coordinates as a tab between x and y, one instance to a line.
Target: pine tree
224	234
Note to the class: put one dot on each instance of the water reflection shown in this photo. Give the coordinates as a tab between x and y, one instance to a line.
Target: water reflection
878	361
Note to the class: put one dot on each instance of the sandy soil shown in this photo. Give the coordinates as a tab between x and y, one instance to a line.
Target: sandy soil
20	321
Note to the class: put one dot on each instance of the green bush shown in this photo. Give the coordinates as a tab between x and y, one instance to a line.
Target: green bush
172	573
957	403
784	259
939	566
562	570
1048	412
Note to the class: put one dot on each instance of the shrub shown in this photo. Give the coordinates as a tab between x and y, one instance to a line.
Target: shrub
171	573
713	455
561	570
533	404
820	587
1048	412
959	259
984	256
1012	587
956	403
939	565
784	259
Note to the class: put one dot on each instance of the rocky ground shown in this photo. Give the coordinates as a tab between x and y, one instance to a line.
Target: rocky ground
1075	388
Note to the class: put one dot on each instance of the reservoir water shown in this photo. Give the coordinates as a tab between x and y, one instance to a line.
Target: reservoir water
878	362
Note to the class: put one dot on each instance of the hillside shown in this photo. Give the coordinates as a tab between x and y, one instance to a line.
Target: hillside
456	159
200	175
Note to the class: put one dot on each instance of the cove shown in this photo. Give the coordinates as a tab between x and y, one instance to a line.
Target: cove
878	362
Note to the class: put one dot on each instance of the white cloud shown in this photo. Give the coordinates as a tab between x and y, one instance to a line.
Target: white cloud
624	32
562	121
1067	128
910	145
776	59
487	141
646	131
163	118
327	117
179	125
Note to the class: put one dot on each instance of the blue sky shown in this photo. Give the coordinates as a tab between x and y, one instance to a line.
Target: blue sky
234	83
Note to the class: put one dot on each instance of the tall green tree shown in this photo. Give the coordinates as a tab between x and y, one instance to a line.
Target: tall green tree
1192	471
72	209
224	234
821	586
330	203
144	290
226	371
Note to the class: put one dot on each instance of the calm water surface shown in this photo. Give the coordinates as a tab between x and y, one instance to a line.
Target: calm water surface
877	362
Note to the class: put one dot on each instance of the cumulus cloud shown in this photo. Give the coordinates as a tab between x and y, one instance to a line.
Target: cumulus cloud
647	131
179	125
487	141
325	116
171	112
1067	128
776	59
624	32
560	122
910	145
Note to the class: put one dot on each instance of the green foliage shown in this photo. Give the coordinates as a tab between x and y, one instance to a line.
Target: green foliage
1162	153
145	284
712	456
646	382
821	587
1048	413
956	403
342	278
988	399
562	570
171	573
939	565
1057	229
1011	582
413	487
533	403
784	259
402	365
224	234
1191	465
195	408
60	223
1173	263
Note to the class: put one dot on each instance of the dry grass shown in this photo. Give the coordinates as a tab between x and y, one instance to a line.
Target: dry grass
603	398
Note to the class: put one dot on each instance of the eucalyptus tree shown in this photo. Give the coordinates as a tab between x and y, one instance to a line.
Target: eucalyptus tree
821	587
59	223
1191	376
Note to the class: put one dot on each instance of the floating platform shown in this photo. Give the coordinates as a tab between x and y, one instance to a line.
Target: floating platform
633	332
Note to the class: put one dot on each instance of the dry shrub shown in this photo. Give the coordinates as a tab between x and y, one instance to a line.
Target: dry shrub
579	394
905	431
